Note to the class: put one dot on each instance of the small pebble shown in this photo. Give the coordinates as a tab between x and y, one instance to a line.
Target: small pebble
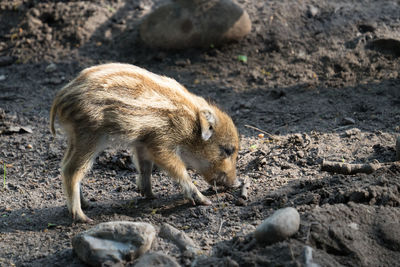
51	68
348	121
312	11
351	132
182	62
6	60
281	225
353	226
300	154
240	202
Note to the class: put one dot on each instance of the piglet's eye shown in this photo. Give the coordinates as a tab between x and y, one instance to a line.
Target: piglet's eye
227	151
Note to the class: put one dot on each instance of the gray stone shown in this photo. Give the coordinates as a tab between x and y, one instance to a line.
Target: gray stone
6	60
51	68
390	234
113	242
281	225
398	148
389	46
158	259
184	24
348	121
312	11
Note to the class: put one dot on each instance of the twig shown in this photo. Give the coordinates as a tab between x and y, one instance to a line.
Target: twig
215	189
308	260
220	226
257	129
398	148
245	187
4	178
309	231
342	127
347	168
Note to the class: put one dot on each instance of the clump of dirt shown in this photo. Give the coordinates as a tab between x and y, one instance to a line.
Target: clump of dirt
321	82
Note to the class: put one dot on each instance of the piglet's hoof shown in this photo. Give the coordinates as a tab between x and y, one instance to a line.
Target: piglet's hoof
200	200
148	195
81	218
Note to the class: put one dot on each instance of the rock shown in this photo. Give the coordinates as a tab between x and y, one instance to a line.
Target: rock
281	225
398	148
352	132
184	24
53	80
156	259
367	27
113	242
388	46
2	77
182	63
390	234
240	202
35	12
312	11
348	121
34	23
51	68
11	129
6	60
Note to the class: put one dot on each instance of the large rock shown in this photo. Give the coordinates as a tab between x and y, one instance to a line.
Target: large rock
195	23
158	259
113	243
281	225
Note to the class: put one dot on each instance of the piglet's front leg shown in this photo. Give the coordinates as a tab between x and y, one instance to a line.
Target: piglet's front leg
170	162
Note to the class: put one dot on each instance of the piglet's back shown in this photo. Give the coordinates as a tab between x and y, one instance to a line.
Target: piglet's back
125	99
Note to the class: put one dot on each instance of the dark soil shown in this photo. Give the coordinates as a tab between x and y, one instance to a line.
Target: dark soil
322	77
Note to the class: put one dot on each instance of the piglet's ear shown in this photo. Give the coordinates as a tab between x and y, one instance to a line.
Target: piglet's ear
207	123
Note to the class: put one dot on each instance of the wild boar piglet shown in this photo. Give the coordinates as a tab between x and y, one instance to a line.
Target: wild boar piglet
155	117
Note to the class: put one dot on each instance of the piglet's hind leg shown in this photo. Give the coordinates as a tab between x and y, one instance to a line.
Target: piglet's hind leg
145	167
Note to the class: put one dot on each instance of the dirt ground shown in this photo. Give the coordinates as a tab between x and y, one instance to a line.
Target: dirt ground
322	77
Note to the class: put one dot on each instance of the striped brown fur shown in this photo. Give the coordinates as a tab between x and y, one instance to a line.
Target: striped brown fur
155	117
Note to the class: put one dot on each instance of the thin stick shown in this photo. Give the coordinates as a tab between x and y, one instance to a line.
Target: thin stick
257	129
245	187
220	226
346	168
179	238
309	231
215	189
4	178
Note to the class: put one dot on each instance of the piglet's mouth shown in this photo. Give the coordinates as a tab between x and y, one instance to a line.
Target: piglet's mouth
222	180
